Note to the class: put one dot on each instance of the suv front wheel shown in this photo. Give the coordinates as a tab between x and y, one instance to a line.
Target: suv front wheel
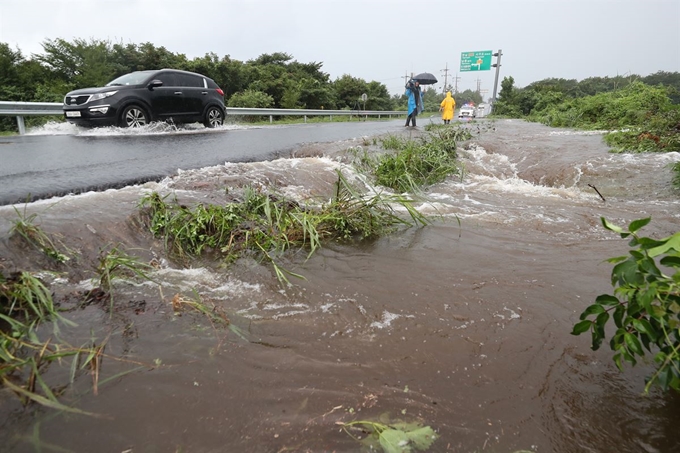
214	117
133	116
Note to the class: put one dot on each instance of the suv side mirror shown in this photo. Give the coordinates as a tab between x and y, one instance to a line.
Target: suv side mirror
154	84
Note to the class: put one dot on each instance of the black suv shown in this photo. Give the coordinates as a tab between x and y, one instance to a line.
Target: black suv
140	97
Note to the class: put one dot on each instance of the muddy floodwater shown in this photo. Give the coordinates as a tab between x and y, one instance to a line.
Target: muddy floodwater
463	325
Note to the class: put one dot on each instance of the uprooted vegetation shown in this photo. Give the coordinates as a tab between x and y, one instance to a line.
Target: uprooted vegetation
267	225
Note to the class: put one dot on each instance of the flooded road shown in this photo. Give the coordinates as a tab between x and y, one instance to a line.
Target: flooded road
462	325
60	159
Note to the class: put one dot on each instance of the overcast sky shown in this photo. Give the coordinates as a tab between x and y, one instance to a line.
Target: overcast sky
379	40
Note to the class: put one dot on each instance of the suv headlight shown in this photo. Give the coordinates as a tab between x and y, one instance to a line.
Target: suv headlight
98	96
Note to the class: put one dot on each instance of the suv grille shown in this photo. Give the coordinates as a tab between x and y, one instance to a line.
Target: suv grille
76	100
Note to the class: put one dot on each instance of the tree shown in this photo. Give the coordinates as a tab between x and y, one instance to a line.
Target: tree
348	91
468	96
507	92
10	60
378	97
83	63
505	105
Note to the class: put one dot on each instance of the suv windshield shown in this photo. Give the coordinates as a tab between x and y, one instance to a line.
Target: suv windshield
134	78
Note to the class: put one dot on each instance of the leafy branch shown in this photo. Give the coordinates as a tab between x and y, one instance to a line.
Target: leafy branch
645	306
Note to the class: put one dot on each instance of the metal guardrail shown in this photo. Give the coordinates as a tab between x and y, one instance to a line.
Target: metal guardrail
21	109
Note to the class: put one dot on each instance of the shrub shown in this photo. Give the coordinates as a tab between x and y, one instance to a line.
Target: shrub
645	306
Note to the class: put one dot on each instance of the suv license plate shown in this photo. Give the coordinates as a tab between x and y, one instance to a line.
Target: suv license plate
73	114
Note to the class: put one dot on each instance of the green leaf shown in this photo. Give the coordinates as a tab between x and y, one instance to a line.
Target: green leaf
633	343
643	326
626	272
606	299
637	224
422	438
618	315
596	340
671	243
670	261
616	259
660	357
594	309
611	226
648	243
600	322
664	377
658	313
617	361
581	327
394	441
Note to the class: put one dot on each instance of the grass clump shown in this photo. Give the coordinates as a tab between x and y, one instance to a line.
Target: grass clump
266	225
25	305
27	347
417	163
115	263
26	228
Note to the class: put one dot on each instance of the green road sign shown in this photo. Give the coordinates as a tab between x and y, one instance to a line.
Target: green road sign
476	61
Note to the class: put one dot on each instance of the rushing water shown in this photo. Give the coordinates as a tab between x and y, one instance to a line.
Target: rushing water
462	325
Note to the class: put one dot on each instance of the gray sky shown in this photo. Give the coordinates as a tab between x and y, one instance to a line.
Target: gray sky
378	39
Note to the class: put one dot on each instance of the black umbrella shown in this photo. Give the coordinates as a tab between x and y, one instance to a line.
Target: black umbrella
425	78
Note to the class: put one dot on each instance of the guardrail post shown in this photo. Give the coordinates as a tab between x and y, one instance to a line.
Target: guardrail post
331	117
305	118
271	119
22	126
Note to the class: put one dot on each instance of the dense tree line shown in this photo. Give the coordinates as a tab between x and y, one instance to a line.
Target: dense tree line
270	80
284	82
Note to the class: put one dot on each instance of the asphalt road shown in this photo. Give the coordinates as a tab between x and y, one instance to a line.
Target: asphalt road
41	166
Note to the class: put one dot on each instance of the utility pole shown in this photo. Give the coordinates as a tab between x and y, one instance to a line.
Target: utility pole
456	79
446	77
497	65
406	77
479	85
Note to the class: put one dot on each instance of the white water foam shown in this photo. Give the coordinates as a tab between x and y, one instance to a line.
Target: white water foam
155	128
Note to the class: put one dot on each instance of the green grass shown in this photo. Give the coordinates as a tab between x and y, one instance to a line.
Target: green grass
420	162
26	228
266	225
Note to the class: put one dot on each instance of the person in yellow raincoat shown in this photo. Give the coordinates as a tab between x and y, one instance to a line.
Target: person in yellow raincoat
447	107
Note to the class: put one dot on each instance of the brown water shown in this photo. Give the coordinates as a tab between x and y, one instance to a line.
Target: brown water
464	328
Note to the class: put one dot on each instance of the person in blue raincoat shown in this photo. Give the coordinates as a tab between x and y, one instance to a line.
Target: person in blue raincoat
415	101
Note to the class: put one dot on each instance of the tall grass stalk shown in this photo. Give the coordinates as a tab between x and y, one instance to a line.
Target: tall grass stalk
26	228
